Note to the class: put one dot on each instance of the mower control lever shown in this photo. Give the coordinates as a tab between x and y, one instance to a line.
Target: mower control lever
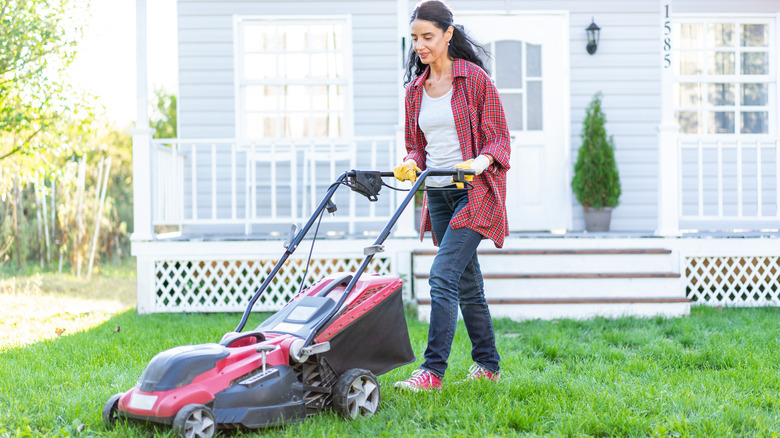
290	237
373	249
322	347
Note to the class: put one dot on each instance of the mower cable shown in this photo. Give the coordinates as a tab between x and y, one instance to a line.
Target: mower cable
311	250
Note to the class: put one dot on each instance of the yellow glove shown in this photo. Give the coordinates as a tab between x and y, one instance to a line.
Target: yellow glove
406	171
467	166
478	165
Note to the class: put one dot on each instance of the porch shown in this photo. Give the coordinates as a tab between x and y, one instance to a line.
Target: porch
221	207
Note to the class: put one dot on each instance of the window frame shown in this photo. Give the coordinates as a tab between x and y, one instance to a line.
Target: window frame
240	81
523	91
737	79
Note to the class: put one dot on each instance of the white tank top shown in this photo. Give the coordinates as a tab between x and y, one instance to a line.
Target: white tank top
437	122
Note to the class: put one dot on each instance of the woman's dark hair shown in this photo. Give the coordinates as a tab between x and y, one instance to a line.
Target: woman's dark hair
462	46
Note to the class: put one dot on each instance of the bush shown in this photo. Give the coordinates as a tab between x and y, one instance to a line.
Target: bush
596	181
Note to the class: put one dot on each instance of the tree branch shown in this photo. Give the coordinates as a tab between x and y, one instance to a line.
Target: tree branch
24	142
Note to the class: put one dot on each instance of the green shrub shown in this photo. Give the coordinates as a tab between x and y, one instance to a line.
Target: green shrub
596	181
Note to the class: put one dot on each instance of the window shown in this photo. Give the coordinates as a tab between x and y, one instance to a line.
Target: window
516	69
292	77
725	79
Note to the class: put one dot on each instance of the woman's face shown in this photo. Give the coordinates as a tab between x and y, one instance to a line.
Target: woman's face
429	42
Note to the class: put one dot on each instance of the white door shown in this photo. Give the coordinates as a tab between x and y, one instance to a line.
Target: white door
530	68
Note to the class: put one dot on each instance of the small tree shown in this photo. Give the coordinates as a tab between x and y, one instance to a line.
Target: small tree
596	182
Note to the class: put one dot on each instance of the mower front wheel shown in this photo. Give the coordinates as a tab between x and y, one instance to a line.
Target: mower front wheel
356	393
111	411
195	421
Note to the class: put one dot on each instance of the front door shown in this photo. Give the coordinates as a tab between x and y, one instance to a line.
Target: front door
530	67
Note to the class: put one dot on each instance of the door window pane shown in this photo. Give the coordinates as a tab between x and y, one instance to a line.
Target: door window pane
720	122
513	107
755	63
755	94
721	94
755	122
755	35
720	63
534	106
720	35
509	64
533	60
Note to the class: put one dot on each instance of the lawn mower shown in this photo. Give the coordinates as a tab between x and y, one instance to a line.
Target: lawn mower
322	350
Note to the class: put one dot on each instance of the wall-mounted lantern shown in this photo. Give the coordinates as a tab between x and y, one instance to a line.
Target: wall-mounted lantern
593	36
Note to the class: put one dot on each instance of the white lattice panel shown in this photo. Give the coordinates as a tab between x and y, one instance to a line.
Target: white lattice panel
734	281
228	285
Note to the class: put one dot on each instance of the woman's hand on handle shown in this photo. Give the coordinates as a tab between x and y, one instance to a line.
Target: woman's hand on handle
406	171
478	165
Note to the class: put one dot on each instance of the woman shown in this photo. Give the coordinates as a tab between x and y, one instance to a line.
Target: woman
454	119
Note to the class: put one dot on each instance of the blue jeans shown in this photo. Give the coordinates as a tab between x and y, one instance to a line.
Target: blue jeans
456	280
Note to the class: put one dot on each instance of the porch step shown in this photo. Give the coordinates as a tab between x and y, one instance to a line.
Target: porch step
576	283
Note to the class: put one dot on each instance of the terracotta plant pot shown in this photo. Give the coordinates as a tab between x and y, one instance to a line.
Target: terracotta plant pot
597	220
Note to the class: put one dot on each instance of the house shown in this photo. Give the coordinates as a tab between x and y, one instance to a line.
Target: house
278	97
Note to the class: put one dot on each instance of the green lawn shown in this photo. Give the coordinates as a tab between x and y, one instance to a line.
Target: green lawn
714	373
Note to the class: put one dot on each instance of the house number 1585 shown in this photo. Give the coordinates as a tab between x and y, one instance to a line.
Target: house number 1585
667	38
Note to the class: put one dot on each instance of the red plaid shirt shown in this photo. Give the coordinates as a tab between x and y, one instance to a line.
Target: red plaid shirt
482	129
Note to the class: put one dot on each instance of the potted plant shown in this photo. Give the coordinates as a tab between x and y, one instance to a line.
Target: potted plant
596	182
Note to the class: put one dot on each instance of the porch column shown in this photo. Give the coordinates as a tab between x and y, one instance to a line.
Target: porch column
668	157
142	197
142	134
405	226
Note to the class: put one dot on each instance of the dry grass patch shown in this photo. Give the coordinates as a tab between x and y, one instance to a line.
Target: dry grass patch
43	306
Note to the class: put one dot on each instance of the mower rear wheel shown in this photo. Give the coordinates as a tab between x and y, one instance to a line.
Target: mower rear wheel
195	421
111	410
356	393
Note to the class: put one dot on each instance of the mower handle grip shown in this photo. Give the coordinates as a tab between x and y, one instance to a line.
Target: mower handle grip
430	172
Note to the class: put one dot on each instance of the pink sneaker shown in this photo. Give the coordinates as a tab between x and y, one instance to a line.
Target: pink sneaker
476	372
422	380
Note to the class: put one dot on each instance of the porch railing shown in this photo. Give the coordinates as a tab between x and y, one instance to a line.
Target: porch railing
729	183
213	183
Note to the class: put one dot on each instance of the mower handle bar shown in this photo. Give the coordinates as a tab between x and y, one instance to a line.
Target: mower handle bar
428	172
458	173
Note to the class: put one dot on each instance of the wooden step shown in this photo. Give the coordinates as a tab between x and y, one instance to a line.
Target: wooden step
624	251
557	262
570	283
509	276
572	288
497	301
577	310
